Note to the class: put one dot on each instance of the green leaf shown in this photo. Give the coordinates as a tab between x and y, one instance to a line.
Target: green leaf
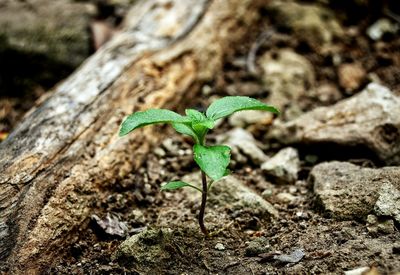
199	120
213	160
195	115
230	104
186	130
227	172
208	124
151	116
172	185
199	125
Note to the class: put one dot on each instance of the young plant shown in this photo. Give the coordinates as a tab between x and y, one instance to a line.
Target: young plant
212	160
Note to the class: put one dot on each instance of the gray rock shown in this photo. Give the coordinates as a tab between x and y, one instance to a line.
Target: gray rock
112	225
347	191
243	145
293	257
288	77
387	227
370	118
137	216
284	165
375	225
388	203
55	29
257	246
144	250
231	193
310	22
244	119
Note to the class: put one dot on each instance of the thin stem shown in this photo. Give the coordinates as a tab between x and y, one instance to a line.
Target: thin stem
194	187
209	185
203	203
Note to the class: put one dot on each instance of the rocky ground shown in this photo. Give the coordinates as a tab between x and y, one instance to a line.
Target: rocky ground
313	191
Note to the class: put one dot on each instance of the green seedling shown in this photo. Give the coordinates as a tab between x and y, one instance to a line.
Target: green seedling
212	160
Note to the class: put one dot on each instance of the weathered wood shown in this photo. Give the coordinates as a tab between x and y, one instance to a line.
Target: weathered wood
53	165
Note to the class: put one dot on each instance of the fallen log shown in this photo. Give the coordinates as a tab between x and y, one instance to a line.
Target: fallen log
53	165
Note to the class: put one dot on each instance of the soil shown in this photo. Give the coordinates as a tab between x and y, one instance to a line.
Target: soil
330	246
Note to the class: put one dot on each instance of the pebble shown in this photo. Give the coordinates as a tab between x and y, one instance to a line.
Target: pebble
286	197
220	247
351	76
266	193
380	27
357	271
283	166
257	246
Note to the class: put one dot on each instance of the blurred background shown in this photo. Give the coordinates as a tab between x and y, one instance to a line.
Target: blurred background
44	41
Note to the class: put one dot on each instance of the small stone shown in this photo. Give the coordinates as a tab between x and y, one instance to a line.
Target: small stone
293	189
388	203
170	146
284	165
145	250
137	216
288	77
266	193
351	76
285	197
357	271
244	119
302	215
159	152
206	90
147	188
111	225
293	257
231	193
328	94
372	219
381	27
243	146
257	246
220	247
386	227
374	225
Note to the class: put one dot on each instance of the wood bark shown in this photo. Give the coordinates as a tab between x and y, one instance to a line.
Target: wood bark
53	166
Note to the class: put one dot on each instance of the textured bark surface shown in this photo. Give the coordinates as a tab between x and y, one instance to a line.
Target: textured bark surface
53	166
